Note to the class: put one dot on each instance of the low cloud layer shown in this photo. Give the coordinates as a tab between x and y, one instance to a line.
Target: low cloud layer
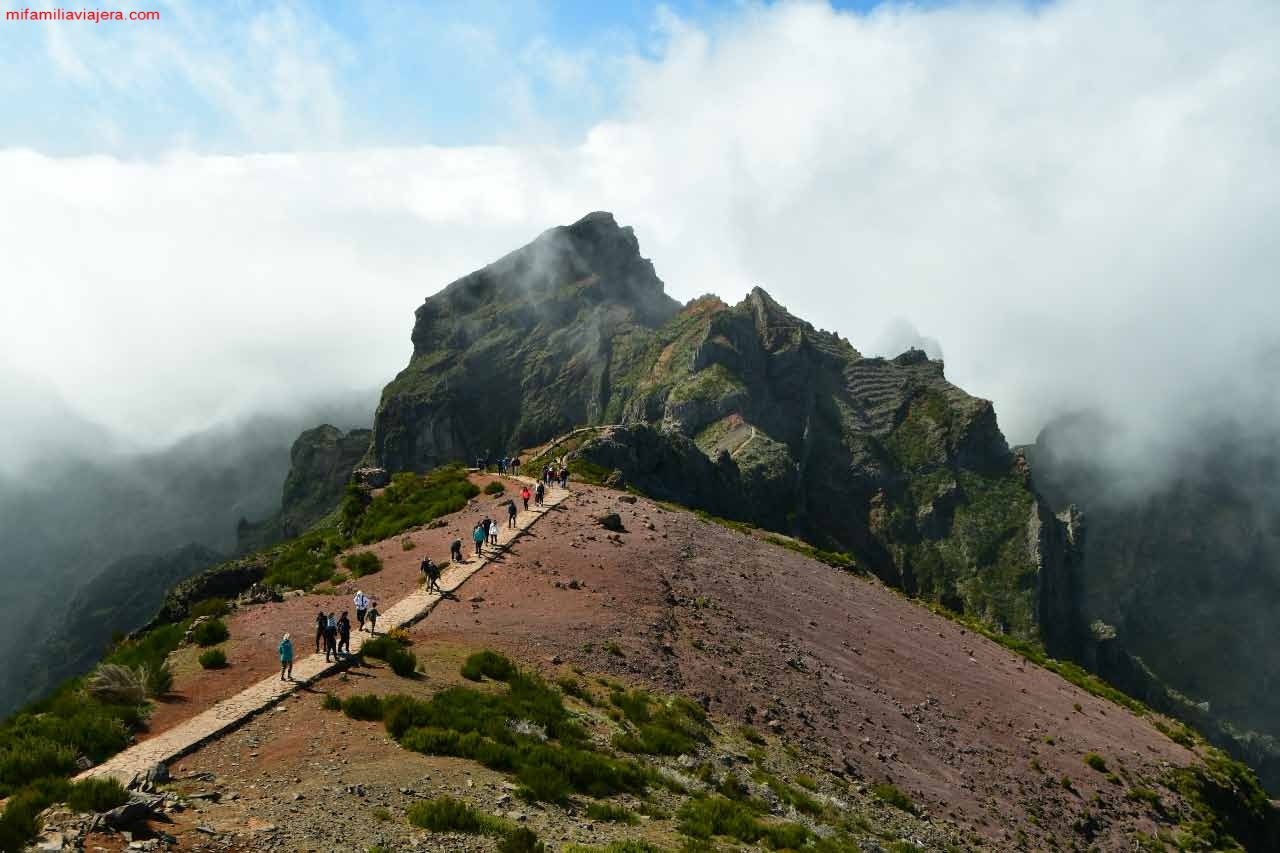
1077	203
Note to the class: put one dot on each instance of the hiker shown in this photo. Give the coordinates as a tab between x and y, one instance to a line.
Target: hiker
344	634
502	465
493	533
373	617
455	551
564	477
361	601
321	623
331	637
286	658
539	493
511	513
515	465
431	573
478	537
525	494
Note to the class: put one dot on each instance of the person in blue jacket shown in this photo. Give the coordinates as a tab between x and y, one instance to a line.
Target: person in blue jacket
286	659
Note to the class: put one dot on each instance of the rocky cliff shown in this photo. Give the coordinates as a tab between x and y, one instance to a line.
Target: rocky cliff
320	464
746	411
1181	573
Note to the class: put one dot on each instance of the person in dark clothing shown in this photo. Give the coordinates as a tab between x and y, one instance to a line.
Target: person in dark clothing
511	513
373	617
322	622
455	551
331	637
344	634
430	574
515	465
539	493
564	477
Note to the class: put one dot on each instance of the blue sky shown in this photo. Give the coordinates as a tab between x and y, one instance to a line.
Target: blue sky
254	76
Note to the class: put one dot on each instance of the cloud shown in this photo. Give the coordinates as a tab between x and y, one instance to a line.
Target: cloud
1078	202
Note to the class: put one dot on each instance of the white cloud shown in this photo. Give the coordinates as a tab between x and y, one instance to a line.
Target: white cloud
1079	202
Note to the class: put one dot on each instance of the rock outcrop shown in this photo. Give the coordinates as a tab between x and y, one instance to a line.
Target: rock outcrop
321	462
744	411
1182	572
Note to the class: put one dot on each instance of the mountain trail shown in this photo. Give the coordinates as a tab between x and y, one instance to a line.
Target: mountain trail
228	713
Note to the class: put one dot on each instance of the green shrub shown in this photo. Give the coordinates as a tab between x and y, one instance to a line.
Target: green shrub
214	658
1145	795
488	664
407	544
521	840
25	758
610	813
707	817
367	707
672	729
97	795
331	702
792	796
752	736
20	821
446	814
1097	762
210	633
894	796
542	781
403	662
410	500
159	680
303	562
495	487
214	607
575	688
362	563
380	647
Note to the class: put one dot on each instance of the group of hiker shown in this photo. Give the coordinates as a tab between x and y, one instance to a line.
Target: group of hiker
506	465
333	633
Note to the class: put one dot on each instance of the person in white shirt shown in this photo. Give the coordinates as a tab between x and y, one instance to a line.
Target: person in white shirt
361	602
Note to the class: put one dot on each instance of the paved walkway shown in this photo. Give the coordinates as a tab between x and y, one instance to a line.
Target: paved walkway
229	713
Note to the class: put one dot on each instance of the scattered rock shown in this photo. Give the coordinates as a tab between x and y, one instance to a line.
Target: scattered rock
611	521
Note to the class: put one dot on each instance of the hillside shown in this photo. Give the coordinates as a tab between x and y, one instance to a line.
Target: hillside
745	411
833	704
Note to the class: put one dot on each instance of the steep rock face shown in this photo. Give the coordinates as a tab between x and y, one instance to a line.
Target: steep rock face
320	464
1184	572
524	349
746	411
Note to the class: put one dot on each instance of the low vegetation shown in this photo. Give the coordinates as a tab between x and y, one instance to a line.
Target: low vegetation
495	487
210	633
214	658
410	500
362	563
894	796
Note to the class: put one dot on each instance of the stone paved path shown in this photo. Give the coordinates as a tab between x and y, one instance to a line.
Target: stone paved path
229	713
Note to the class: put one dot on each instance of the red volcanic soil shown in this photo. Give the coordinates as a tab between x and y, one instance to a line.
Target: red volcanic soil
256	631
877	686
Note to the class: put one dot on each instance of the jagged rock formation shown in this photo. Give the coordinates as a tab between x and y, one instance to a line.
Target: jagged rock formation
745	411
1181	575
320	465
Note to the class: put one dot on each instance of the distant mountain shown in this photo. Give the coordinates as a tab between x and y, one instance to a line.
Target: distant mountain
745	411
66	518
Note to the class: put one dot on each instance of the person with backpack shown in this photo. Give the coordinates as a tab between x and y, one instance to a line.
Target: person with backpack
493	533
455	551
515	465
511	513
431	574
525	494
564	477
361	601
539	493
321	623
344	634
286	658
478	536
331	637
373	617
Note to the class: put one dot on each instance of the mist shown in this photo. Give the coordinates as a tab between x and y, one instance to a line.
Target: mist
1076	202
